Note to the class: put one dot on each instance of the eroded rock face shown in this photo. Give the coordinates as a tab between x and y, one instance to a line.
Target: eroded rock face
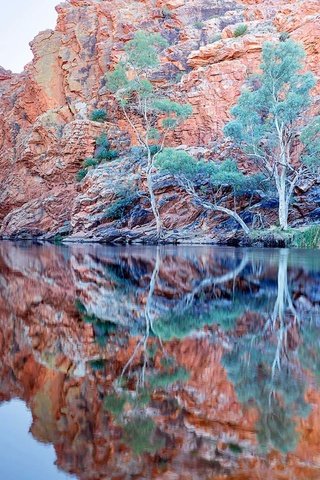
45	131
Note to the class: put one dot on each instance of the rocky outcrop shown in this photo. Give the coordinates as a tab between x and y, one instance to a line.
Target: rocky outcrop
44	112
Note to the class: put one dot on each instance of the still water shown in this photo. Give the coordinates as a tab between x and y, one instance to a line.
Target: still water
170	363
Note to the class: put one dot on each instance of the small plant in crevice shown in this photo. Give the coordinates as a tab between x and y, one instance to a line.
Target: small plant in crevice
80	175
215	38
199	25
103	153
240	30
98	115
125	198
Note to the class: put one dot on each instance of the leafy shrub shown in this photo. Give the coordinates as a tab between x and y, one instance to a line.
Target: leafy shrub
154	149
124	200
240	30
215	38
179	162
165	379
102	141
140	435
309	238
98	115
103	151
81	174
115	404
105	154
90	162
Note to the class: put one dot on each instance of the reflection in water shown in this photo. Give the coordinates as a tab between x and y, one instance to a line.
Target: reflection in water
165	362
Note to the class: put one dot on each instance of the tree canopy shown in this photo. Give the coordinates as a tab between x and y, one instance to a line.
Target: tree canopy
270	115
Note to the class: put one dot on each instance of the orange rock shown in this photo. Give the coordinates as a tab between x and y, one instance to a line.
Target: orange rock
45	131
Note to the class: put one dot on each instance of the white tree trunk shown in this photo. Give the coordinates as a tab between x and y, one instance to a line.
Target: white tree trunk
283	204
152	196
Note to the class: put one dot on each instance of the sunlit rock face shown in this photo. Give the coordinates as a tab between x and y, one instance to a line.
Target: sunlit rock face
165	363
44	112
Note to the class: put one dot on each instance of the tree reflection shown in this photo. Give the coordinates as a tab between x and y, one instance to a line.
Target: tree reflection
265	369
268	339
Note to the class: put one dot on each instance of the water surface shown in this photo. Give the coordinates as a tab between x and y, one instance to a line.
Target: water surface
159	363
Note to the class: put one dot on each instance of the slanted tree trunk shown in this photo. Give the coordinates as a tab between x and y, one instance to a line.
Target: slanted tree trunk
189	188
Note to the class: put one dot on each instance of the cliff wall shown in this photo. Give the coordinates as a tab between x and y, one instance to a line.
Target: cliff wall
45	131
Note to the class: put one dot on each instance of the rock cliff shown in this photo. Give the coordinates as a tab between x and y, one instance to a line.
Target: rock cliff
45	131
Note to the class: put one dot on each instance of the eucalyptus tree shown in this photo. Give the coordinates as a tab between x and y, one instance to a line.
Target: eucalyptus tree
149	113
210	183
271	120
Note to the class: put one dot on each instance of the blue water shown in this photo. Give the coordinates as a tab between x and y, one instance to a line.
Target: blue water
22	457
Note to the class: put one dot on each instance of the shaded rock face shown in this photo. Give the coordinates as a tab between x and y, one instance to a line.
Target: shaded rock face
59	357
45	131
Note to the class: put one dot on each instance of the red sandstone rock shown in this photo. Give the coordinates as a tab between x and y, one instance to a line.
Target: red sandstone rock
45	131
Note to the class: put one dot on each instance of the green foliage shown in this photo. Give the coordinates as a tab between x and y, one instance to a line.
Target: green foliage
103	153
57	239
98	115
97	365
103	150
125	199
284	36
164	379
310	137
199	25
140	435
179	162
143	49
117	80
309	238
102	328
102	141
215	38
180	324
270	113
166	13
277	96
240	30
80	306
235	448
115	404
106	155
154	149
90	162
130	84
81	174
278	395
175	112
309	350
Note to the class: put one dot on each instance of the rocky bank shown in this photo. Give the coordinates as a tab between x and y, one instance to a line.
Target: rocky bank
45	130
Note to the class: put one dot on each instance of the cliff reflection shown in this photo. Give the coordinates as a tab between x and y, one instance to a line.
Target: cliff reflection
165	363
